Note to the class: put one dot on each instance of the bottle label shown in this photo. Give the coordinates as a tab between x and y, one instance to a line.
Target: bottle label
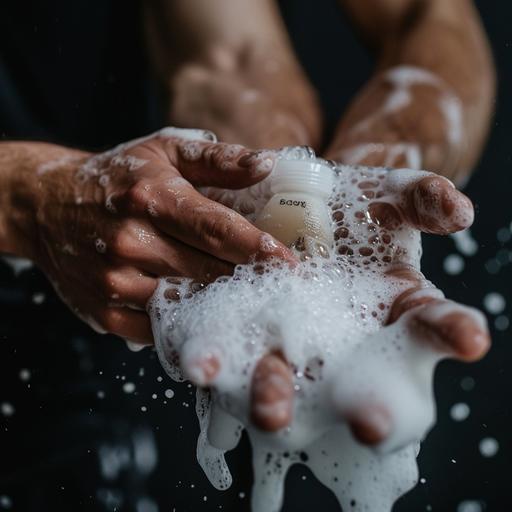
292	202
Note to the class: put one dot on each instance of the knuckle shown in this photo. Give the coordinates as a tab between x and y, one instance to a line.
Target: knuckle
209	154
111	284
219	154
190	150
208	271
214	230
110	319
139	195
123	244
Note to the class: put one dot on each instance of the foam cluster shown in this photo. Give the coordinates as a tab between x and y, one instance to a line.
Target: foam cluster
328	317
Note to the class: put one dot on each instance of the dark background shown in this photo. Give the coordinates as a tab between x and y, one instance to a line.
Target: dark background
75	72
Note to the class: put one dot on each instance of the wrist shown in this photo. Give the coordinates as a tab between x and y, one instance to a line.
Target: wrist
21	170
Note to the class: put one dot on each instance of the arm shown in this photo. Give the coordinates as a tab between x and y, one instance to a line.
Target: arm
232	70
433	89
18	190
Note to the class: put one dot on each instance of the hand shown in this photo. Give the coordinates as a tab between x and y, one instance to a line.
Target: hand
404	117
392	208
108	225
430	204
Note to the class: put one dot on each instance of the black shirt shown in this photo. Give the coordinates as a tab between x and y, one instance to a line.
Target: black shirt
75	72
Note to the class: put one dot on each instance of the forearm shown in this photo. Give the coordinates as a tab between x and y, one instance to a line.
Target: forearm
449	41
184	31
446	39
19	165
237	52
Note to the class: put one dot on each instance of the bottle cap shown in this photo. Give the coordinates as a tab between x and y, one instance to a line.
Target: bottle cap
302	175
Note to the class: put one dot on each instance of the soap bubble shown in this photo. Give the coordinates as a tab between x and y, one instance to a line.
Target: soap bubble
128	387
467	383
5	502
488	447
469	506
7	409
501	323
494	303
453	264
465	243
503	235
459	412
24	374
100	245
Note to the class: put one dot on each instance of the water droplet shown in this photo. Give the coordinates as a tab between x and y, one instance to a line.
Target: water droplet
494	303
488	447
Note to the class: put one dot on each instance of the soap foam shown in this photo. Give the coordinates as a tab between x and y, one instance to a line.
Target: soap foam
327	316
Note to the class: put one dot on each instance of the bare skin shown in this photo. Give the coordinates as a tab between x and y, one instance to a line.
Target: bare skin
224	80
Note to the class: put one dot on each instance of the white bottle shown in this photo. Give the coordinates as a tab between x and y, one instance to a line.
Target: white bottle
297	214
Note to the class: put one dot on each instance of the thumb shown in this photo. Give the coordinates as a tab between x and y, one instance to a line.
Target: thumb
215	164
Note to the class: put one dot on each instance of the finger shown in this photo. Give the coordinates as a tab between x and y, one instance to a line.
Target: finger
430	204
458	330
163	256
413	297
272	394
386	215
405	272
370	424
177	209
215	229
132	325
218	164
434	205
200	363
127	286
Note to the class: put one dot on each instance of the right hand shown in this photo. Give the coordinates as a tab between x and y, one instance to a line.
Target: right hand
108	225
